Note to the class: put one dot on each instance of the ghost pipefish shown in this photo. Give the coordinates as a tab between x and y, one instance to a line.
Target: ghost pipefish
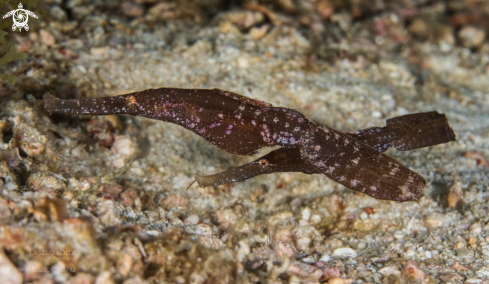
242	126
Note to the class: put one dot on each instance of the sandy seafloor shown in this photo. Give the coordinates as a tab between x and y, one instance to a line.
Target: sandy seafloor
144	226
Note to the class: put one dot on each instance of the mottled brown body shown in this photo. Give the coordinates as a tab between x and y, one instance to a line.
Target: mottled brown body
240	125
225	119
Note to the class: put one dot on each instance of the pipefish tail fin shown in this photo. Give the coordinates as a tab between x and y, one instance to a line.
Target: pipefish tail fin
408	132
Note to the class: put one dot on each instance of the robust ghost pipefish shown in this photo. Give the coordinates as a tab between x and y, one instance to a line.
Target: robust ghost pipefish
241	125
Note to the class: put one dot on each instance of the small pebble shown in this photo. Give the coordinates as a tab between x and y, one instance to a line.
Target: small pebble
458	266
309	259
284	234
58	14
473	280
364	216
180	280
245	19
161	11
459	245
303	243
315	219
325	9
388	270
46	37
419	28
10	186
45	182
210	242
284	249
337	280
434	220
98	51
104	277
175	200
453	200
465	253
361	245
128	197
399	235
226	218
258	33
306	213
376	114
131	9
483	272
471	37
475	228
203	229
296	202
192	220
308	273
31	141
325	258
345	252
243	63
412	269
331	272
124	146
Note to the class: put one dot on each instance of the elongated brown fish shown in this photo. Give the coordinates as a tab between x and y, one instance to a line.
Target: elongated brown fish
241	125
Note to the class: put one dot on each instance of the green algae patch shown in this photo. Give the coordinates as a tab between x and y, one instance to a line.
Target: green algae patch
11	54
